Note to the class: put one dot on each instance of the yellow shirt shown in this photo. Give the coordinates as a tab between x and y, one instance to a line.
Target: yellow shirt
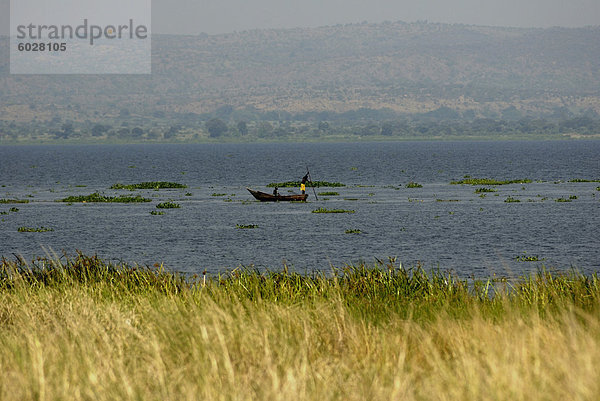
302	187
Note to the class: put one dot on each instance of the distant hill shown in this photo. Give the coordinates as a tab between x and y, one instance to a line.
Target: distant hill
455	70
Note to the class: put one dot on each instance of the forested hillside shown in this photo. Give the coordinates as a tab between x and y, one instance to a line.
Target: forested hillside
357	72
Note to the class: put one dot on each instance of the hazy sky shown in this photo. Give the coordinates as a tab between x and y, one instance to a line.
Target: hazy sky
220	16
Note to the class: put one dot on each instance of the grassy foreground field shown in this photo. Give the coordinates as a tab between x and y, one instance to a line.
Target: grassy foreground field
87	330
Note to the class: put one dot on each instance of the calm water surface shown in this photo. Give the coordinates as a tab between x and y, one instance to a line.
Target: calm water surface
439	225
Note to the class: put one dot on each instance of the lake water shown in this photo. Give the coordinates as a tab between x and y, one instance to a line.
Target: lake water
438	225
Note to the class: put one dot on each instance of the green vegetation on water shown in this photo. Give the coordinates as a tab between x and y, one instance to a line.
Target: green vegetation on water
168	205
353	231
560	200
246	226
96	197
582	180
324	210
527	258
315	184
487	181
414	185
510	199
157	213
149	185
34	229
217	194
14	201
484	190
331	193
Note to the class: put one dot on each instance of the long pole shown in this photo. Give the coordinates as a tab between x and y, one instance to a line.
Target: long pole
311	182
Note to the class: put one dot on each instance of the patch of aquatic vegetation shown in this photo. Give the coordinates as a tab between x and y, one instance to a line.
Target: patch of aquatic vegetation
582	180
510	199
353	231
168	205
529	258
13	209
14	201
570	199
488	181
96	197
329	193
149	185
34	229
217	194
188	194
414	185
246	226
447	200
324	210
484	190
157	213
315	184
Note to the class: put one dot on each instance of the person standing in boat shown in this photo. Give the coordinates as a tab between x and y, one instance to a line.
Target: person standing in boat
303	183
275	192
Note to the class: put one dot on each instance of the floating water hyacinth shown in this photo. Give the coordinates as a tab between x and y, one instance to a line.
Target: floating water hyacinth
34	229
488	181
96	197
168	205
324	210
149	185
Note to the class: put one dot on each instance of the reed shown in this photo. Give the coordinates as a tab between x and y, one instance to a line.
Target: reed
80	328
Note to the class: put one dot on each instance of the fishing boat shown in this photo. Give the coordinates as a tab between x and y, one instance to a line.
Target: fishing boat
265	197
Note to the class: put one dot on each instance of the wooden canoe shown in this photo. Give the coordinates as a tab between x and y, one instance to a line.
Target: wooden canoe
265	197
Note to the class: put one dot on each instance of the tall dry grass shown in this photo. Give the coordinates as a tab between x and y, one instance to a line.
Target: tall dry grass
67	335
